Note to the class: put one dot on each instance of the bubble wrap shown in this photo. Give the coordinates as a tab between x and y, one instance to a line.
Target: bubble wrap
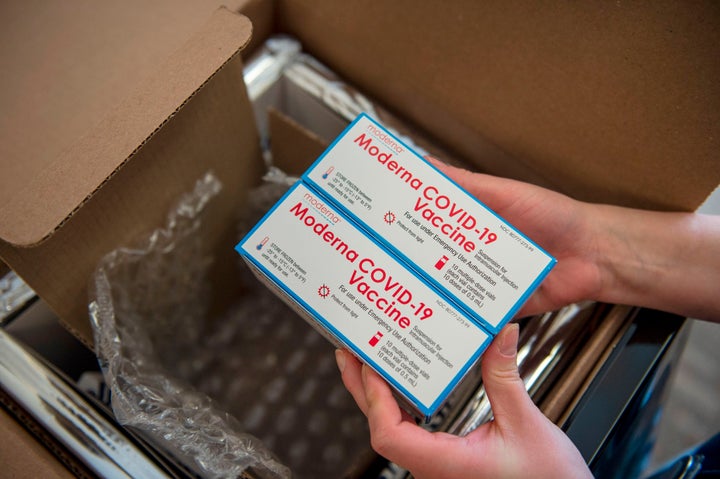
259	362
142	304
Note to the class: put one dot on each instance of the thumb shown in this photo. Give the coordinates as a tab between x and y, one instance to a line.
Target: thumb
505	390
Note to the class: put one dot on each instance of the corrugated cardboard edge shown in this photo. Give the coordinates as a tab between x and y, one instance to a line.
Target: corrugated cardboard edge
123	132
29	450
262	15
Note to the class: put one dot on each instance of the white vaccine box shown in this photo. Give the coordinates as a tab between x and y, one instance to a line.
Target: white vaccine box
459	245
363	298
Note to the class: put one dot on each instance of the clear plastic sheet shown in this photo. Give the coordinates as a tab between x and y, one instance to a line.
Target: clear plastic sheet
278	403
146	311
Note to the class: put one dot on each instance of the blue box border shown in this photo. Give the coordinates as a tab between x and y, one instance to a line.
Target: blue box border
427	411
458	303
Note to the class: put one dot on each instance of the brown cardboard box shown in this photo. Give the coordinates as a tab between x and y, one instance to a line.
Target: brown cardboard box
23	456
614	103
109	112
617	104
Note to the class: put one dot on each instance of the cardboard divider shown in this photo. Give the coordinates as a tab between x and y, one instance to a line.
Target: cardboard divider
294	148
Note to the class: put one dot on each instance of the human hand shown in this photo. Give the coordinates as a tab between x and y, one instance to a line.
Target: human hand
519	442
662	260
558	223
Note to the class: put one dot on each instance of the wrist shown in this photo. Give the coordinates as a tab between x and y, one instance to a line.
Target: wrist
597	252
608	253
626	252
667	261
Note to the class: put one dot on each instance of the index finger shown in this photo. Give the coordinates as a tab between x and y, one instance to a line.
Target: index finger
394	434
495	192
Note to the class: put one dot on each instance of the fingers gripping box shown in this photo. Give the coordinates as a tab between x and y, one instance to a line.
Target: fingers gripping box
483	263
388	257
363	298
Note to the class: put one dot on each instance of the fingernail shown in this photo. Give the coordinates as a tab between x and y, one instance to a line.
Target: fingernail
340	358
509	339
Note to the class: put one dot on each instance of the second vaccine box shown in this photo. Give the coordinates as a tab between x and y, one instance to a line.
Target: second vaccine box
363	298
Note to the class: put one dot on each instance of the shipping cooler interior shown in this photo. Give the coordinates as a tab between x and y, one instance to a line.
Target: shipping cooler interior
255	392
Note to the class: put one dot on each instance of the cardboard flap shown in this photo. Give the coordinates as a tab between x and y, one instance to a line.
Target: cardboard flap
613	102
62	136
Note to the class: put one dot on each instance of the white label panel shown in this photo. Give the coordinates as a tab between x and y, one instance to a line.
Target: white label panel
484	263
372	303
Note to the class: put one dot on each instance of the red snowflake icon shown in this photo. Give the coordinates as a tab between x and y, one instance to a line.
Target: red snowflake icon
389	217
323	291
